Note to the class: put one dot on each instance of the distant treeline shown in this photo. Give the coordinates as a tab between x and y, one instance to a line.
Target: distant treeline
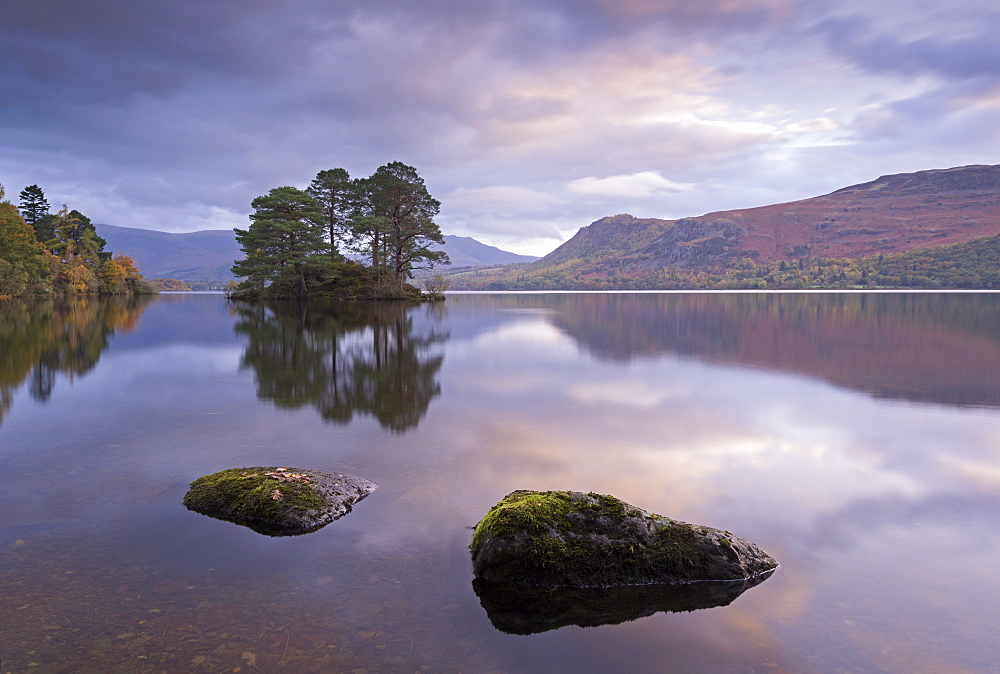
971	265
170	284
43	253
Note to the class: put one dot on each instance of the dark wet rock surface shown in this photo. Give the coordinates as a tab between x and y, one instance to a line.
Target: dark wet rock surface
573	539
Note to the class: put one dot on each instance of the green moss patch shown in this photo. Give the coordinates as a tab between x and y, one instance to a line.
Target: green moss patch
276	501
562	538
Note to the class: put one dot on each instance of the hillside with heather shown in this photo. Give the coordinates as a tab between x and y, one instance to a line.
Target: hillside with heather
905	219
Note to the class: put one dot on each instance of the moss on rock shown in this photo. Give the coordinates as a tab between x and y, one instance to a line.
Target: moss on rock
276	501
564	538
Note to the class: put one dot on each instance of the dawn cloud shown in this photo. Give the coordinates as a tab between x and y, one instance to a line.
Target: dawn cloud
643	184
527	119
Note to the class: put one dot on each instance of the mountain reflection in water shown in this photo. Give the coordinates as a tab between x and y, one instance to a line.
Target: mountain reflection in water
920	347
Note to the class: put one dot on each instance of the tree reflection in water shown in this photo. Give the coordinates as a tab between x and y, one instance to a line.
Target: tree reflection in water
42	338
346	358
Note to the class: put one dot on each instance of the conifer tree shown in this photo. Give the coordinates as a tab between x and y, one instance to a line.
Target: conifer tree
394	214
33	204
332	190
75	236
285	240
45	229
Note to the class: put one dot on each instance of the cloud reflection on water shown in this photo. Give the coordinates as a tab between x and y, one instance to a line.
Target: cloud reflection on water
815	473
881	511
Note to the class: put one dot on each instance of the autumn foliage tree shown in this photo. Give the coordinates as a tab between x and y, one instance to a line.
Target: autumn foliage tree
79	250
118	275
59	253
23	267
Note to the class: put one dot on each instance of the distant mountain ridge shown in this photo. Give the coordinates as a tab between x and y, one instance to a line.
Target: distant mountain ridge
207	255
892	214
464	251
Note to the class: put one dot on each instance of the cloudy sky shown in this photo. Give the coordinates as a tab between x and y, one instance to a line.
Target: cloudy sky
527	118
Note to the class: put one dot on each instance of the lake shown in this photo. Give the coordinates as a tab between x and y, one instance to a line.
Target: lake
853	436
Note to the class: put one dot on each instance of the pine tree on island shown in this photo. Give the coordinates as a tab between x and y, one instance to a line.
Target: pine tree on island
284	243
292	247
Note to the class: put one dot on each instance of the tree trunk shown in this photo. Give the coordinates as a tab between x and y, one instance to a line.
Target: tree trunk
303	290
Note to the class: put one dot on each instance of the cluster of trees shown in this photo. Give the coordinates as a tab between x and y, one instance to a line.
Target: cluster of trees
43	253
297	239
971	265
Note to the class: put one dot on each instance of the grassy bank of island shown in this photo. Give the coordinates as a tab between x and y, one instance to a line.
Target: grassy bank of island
49	254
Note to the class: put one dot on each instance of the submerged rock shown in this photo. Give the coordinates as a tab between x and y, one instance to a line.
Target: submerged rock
520	609
277	501
566	538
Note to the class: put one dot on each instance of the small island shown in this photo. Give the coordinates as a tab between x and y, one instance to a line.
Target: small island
298	242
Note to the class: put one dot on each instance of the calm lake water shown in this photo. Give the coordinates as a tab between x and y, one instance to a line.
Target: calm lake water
854	437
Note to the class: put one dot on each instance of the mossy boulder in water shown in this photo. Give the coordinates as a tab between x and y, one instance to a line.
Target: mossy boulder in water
566	538
277	501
